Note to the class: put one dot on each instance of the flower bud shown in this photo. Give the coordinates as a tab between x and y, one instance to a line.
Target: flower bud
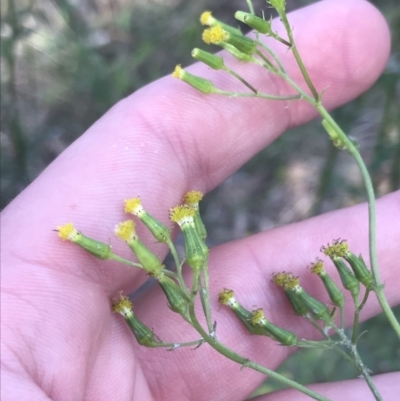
176	298
143	334
206	18
257	23
149	261
217	34
159	230
192	198
279	5
347	278
362	273
283	280
201	84
213	61
196	251
68	232
301	298
283	336
335	294
236	53
227	297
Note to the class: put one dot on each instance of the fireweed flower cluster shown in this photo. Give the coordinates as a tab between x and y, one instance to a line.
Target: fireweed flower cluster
182	292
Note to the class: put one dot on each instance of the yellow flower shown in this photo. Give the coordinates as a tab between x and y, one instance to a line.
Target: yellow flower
214	35
67	232
206	18
125	230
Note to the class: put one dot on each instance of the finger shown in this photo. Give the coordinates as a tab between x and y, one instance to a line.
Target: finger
167	138
387	384
246	267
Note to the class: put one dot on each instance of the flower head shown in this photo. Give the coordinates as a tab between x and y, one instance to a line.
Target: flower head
338	249
214	35
318	267
126	230
134	206
178	72
227	297
192	198
123	306
67	232
206	18
182	215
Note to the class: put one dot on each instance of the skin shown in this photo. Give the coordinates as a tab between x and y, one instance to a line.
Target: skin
60	340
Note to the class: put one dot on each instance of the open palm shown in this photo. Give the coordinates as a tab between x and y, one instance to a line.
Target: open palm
60	340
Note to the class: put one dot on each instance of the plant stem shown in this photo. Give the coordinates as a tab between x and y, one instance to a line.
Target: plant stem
360	364
233	356
178	264
297	56
242	80
356	316
259	95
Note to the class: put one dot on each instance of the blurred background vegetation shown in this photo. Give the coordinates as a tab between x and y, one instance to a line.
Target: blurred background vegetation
64	63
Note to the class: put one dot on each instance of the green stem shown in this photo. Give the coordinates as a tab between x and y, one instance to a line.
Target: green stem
250	5
356	316
125	261
274	56
178	264
360	364
297	56
242	80
205	298
233	356
259	95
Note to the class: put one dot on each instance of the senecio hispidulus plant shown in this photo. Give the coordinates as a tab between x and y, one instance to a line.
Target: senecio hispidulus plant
355	276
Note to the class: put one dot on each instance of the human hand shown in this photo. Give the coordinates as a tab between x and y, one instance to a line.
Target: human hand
60	340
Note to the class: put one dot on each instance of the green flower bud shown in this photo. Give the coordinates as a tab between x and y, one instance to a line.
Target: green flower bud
227	297
68	232
149	261
335	294
300	298
192	198
360	269
236	53
209	59
283	280
217	35
315	307
201	84
176	298
196	251
283	336
143	334
206	18
159	230
347	278
257	23
279	5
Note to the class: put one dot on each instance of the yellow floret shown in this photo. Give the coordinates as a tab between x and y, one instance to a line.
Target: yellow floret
193	197
123	306
214	35
133	206
67	232
125	230
182	214
258	316
317	267
226	297
206	18
178	72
